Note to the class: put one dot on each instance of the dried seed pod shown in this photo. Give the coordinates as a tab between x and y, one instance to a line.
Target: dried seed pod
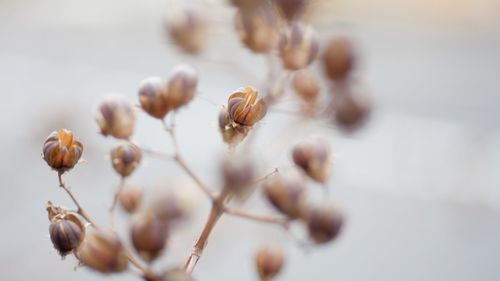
66	233
103	251
130	198
244	108
125	158
306	85
149	236
338	58
313	157
231	135
152	96
116	117
287	193
291	9
170	206
188	29
238	173
269	261
258	28
61	151
324	223
351	112
182	86
299	46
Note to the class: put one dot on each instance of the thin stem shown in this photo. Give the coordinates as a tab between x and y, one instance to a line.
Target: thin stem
261	179
283	222
115	202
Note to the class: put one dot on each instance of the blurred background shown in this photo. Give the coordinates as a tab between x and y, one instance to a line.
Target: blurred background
419	184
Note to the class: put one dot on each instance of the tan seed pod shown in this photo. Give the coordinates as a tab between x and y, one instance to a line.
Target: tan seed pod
66	233
338	58
351	112
152	96
116	117
149	236
314	158
287	193
269	261
102	250
324	223
125	158
188	28
306	85
244	108
182	86
130	198
61	151
292	9
299	46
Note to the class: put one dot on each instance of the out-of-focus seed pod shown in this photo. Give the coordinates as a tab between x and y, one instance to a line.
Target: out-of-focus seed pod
177	274
125	158
244	108
61	151
269	261
238	173
130	198
103	251
66	233
116	117
149	236
152	96
287	193
182	86
299	46
338	58
189	30
306	85
324	223
170	206
313	157
258	28
351	112
291	9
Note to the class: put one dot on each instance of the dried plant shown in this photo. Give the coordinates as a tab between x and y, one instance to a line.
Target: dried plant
271	28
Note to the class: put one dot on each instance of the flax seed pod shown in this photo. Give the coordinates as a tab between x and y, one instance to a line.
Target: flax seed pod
338	58
102	250
269	261
324	223
243	107
152	96
125	158
130	198
188	28
149	236
313	157
182	86
287	193
116	117
61	150
299	46
66	233
306	85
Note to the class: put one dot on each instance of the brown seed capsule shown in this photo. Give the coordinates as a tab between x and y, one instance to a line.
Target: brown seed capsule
306	85
66	233
182	86
324	223
244	108
269	261
125	158
338	58
130	198
188	29
299	46
152	96
292	9
149	236
258	28
116	117
238	173
287	193
313	157
61	151
103	251
351	112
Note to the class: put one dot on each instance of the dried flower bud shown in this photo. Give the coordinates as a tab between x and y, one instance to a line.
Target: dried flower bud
269	261
324	223
306	85
299	46
149	236
287	193
103	251
313	157
170	206
66	232
130	198
258	28
338	58
188	29
61	151
244	108
351	112
152	96
181	86
125	158
291	9
238	173
116	117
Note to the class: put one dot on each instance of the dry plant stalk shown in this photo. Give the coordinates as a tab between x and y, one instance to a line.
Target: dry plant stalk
272	28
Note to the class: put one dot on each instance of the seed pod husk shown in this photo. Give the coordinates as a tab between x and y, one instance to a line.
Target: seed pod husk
243	107
324	223
306	85
61	151
152	96
182	86
149	236
338	58
125	158
299	46
313	157
269	261
287	193
188	28
102	250
66	233
116	117
130	198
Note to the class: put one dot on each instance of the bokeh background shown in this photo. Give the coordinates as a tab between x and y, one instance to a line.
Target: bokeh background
420	184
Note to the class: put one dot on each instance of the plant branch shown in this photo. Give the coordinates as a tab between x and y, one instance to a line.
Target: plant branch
283	222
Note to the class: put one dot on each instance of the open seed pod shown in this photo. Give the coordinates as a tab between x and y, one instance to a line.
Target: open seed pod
188	28
125	158
152	96
149	235
324	223
269	261
314	158
66	233
116	117
61	150
287	193
243	107
182	86
299	46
